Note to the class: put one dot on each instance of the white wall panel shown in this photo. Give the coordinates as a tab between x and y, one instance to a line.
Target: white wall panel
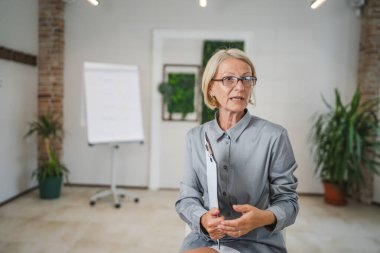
18	97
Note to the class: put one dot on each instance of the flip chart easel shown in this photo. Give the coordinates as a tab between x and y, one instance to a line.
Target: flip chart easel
114	191
113	113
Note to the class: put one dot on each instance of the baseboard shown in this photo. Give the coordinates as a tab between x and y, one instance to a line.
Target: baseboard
18	195
133	187
72	185
105	186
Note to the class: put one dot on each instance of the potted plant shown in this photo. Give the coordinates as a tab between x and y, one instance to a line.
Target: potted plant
345	142
50	170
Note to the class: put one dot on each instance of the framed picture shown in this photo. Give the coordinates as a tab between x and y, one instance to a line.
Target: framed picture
180	91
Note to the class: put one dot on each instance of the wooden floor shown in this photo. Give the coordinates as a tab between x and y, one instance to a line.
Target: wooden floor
70	224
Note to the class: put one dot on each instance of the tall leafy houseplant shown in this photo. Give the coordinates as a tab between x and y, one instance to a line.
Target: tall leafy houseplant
346	142
50	171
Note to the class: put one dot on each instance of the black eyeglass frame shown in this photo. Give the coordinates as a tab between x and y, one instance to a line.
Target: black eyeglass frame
238	79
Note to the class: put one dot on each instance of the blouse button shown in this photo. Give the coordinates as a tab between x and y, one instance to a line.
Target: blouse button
227	142
225	167
224	193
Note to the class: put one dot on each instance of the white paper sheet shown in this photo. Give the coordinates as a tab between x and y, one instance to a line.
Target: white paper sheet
212	181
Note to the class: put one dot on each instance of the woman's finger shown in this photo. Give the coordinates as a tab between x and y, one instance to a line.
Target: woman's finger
218	234
236	233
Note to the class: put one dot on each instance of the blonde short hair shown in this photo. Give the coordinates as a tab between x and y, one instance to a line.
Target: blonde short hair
212	67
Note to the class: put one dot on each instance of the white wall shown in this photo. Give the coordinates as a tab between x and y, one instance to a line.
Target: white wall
18	97
177	51
299	54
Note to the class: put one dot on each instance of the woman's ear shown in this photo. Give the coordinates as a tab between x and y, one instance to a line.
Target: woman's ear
210	92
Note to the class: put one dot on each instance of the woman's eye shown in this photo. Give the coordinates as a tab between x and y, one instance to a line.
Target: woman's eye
229	78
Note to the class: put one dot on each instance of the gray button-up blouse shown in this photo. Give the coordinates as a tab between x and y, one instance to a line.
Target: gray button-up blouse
255	166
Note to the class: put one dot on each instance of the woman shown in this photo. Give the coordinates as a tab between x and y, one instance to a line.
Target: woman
256	187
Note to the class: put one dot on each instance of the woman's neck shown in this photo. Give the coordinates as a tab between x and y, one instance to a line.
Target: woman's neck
228	120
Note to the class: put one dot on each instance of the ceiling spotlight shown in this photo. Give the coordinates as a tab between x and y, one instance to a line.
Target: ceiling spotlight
316	3
203	3
94	2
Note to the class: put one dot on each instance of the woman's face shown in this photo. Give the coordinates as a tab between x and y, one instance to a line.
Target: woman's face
235	98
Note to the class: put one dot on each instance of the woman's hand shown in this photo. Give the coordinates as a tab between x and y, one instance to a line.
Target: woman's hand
251	218
210	221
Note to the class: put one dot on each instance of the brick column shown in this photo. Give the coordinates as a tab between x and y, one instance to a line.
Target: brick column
50	61
369	70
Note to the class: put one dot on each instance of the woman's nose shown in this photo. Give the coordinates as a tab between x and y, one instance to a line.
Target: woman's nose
239	85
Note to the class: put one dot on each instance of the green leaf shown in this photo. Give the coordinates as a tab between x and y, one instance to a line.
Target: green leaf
346	139
49	129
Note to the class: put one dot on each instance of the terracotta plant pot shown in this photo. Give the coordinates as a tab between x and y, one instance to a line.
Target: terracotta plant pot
334	195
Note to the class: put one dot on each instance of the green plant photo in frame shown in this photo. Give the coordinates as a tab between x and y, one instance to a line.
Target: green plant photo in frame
182	98
180	92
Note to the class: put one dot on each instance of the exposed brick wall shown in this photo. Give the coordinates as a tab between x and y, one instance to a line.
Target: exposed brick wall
51	31
369	69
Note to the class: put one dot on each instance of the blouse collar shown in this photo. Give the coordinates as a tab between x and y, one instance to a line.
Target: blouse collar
234	132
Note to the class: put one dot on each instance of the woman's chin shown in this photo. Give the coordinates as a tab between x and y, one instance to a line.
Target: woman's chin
237	105
235	109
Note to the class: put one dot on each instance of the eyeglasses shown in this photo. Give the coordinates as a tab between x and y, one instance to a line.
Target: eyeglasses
231	81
